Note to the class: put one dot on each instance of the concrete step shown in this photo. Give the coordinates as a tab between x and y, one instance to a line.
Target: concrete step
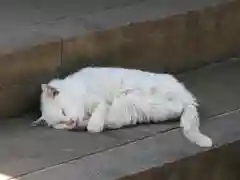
30	22
153	35
42	153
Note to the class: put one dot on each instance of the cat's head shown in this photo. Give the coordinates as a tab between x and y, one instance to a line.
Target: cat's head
58	106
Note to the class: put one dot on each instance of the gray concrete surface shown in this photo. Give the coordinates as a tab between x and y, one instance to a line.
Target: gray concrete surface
140	155
42	153
30	22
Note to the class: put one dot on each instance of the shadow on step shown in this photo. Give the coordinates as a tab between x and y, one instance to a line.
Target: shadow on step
218	164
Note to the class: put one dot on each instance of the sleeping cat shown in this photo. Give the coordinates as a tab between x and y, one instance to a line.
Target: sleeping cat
99	98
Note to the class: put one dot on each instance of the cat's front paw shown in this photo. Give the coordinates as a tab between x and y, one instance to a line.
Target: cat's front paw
35	123
38	122
94	127
59	126
68	126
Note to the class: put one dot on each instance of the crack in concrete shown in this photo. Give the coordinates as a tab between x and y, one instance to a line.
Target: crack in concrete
120	145
94	153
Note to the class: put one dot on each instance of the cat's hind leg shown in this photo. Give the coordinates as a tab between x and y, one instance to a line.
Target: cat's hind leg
160	110
140	108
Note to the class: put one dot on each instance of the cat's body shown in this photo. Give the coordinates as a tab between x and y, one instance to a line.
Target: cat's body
101	98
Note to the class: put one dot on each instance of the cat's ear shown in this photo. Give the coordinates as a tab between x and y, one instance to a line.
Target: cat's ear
49	90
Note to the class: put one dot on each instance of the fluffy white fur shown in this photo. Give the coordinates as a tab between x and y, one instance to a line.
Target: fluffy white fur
101	98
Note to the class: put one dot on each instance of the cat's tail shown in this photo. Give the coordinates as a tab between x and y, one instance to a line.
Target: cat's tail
190	124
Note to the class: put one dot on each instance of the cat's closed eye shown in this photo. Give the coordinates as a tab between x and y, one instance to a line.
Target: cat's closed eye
63	112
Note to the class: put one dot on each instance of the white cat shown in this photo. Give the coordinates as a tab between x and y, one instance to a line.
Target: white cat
98	98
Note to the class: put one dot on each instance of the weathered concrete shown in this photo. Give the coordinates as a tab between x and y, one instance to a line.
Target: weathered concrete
74	155
165	36
143	154
219	163
21	74
216	87
31	22
27	149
